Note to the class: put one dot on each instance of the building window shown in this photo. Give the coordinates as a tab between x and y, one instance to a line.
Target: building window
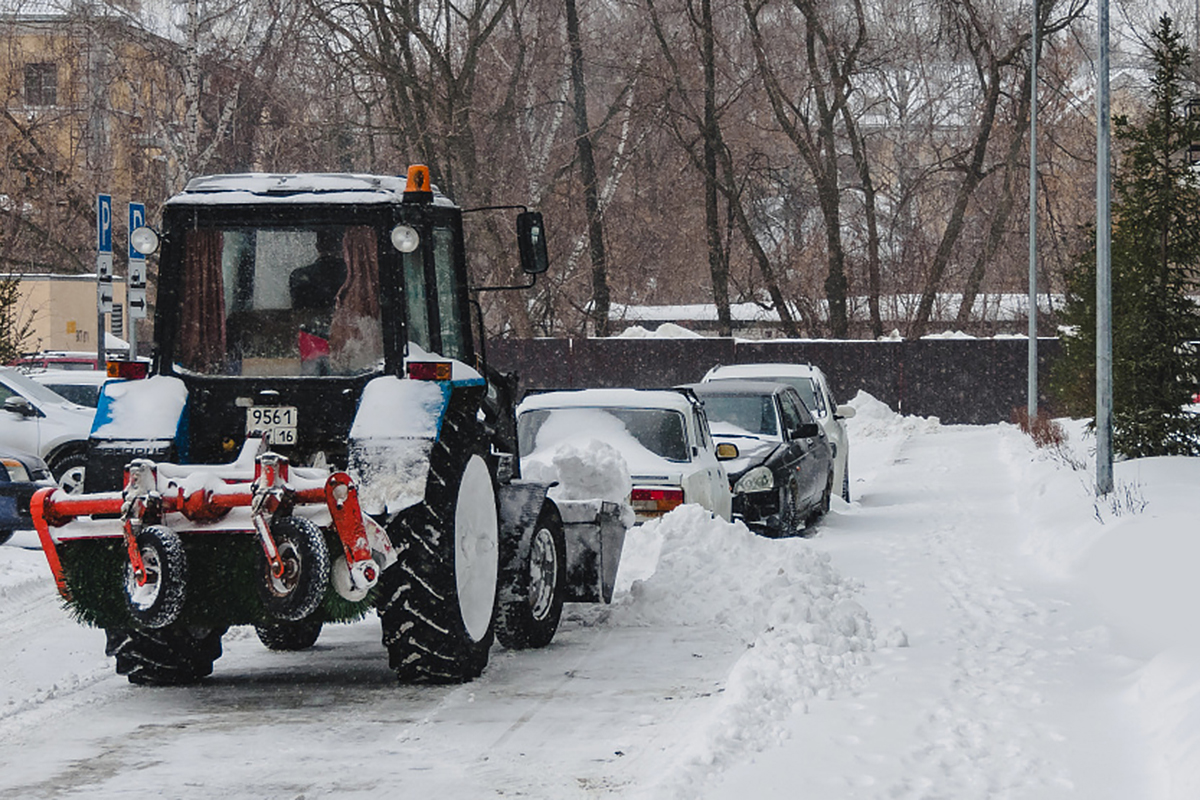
41	84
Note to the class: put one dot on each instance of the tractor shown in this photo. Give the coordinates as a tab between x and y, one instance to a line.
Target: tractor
318	435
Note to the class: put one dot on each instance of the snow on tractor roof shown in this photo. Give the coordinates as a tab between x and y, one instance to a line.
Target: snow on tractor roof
305	187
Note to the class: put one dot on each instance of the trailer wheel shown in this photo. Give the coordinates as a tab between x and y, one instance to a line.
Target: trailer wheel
298	592
289	636
533	585
437	602
156	603
170	656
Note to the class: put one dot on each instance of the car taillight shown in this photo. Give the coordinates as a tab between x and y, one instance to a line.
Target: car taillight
127	370
655	501
429	370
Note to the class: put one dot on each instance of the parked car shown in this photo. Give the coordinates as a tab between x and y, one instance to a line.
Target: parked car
34	419
783	476
663	435
60	359
81	386
22	475
810	382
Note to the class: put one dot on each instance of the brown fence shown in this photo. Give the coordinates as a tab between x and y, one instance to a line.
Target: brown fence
974	381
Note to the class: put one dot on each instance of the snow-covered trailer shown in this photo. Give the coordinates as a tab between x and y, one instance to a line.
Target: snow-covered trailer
319	436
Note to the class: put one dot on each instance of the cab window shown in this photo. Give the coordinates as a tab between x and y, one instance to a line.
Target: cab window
450	320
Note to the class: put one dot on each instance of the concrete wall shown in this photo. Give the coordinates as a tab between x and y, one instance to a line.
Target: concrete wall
974	381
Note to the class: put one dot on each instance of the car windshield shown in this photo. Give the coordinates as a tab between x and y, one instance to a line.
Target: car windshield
752	414
85	394
804	386
659	430
280	301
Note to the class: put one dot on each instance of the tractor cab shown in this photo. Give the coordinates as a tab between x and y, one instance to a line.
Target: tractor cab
281	296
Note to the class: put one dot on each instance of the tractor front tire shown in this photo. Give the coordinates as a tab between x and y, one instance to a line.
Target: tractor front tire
533	584
173	656
437	602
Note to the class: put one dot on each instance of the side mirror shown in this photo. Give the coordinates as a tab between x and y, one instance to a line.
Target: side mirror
727	451
807	430
844	412
19	405
531	240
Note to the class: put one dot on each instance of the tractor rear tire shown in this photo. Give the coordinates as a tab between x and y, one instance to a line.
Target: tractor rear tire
437	602
533	584
173	656
289	636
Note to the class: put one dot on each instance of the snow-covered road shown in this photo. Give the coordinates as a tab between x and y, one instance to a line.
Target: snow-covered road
917	647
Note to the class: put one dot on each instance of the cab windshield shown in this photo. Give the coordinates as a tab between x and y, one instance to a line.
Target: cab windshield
280	301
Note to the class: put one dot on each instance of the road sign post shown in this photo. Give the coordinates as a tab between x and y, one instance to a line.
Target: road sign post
135	286
104	268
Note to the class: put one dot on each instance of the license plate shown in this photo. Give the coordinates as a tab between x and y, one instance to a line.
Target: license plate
276	423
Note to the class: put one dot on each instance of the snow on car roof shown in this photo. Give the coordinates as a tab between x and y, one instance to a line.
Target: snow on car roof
305	187
739	387
600	398
762	370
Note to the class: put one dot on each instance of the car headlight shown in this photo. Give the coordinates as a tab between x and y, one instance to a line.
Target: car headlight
759	479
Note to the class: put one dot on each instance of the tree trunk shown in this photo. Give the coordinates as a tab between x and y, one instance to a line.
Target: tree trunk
717	264
587	174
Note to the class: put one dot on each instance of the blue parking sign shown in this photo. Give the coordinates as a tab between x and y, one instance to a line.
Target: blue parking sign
104	222
137	219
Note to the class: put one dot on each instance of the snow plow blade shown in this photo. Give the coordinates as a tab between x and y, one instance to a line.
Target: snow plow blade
595	534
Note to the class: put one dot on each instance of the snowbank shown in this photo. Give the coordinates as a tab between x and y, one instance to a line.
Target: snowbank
667	330
806	636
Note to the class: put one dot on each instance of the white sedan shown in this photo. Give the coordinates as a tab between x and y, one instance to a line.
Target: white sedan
662	437
810	382
34	419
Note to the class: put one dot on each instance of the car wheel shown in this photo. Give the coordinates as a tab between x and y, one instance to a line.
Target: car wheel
789	515
5	536
69	471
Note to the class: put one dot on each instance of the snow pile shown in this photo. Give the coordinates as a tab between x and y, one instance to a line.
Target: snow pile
948	335
584	470
575	447
874	419
667	330
806	635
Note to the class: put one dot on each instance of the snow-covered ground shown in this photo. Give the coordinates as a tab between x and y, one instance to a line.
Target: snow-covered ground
975	624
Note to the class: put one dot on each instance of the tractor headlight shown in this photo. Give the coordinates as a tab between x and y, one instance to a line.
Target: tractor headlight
759	479
405	238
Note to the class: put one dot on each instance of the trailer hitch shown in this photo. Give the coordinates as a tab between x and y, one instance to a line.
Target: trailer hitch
270	495
141	503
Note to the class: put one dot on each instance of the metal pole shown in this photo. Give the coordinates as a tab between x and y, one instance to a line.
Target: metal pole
1104	455
1032	408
